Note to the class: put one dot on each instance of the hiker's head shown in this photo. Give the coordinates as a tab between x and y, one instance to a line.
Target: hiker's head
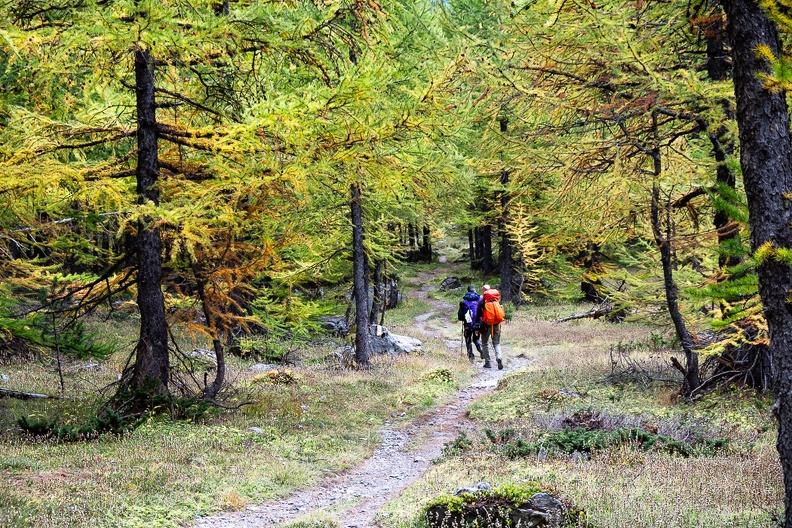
486	287
471	289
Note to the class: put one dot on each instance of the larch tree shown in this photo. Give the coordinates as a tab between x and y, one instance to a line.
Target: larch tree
766	162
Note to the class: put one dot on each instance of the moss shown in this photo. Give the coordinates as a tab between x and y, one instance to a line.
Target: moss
490	508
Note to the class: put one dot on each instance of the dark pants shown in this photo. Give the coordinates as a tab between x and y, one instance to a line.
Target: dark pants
472	337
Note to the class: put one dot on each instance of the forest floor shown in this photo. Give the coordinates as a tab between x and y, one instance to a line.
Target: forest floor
406	452
341	448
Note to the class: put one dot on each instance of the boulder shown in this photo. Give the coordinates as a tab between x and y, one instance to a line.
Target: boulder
202	358
451	283
486	508
337	325
383	342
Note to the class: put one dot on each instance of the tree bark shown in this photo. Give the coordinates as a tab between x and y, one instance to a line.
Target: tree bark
487	262
471	249
722	145
509	279
691	375
210	391
426	245
151	368
359	280
766	161
379	286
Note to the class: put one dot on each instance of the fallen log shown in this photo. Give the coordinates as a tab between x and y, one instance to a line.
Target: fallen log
8	393
594	313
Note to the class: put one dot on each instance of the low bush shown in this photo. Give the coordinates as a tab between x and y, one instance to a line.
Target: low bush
583	440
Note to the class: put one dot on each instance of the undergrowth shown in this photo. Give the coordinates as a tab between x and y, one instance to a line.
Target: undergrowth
583	440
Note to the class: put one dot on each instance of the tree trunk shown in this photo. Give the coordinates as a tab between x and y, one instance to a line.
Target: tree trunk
590	282
359	280
766	161
691	372
478	246
379	286
487	262
151	368
471	249
509	279
210	391
722	145
426	245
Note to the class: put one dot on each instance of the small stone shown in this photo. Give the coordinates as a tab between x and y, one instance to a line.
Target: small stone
579	456
256	430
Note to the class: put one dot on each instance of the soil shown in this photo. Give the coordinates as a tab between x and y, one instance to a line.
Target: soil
404	455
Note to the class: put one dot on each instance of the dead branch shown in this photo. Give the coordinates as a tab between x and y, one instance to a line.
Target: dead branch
594	313
19	395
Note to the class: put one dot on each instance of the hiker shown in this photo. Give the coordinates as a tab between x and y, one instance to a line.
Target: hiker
490	312
468	307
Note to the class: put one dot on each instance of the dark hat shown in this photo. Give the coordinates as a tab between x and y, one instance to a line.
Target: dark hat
471	289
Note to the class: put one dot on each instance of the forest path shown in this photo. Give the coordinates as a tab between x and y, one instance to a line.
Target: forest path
405	454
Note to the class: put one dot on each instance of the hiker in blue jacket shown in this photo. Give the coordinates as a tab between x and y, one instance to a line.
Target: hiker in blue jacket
468	307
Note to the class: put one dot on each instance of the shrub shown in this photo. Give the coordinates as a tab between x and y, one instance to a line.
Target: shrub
580	439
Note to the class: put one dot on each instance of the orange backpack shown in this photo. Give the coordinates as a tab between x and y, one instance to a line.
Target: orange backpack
493	312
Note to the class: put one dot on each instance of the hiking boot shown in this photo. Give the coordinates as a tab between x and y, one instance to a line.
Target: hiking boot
471	357
500	364
487	364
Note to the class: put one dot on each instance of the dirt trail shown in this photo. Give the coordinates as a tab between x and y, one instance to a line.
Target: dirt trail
405	454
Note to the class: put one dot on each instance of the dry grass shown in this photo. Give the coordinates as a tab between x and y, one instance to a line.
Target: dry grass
165	473
621	487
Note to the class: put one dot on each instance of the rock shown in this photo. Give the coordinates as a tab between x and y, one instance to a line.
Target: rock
579	456
337	325
262	367
383	342
256	430
4	377
450	283
484	509
541	510
472	490
528	518
546	503
203	357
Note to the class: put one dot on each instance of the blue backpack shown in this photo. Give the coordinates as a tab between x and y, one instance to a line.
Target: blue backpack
470	303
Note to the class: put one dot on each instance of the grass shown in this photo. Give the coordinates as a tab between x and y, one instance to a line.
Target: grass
621	486
166	473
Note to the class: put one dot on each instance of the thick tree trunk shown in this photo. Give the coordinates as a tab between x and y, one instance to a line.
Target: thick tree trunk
359	280
151	368
766	161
